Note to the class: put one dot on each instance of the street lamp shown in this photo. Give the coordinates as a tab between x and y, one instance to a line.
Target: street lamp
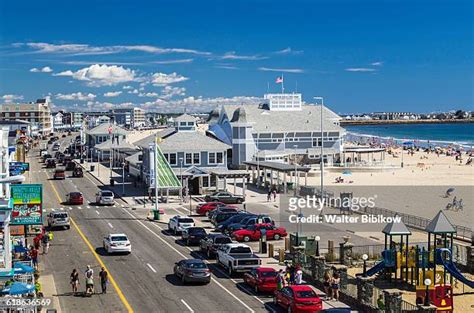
427	295
123	178
365	257
181	178
317	239
296	172
322	145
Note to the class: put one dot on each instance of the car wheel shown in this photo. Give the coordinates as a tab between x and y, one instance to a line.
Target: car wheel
276	237
256	289
275	300
183	279
229	270
208	253
187	242
290	309
239	201
246	238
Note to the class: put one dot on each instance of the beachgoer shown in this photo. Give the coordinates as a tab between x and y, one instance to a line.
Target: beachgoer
335	285
327	285
104	278
89	280
74	280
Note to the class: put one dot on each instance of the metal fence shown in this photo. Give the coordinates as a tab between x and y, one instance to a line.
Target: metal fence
409	307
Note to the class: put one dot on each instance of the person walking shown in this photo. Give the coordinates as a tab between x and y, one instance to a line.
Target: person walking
37	241
104	279
335	285
299	277
74	280
45	242
34	257
280	279
89	280
327	285
50	236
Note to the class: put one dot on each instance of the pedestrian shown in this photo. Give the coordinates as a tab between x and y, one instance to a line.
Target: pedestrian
45	242
381	303
89	280
327	285
104	279
34	256
299	277
335	285
37	241
50	236
280	279
291	274
269	195
74	280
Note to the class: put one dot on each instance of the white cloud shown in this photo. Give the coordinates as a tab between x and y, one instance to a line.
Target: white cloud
289	51
170	92
126	87
378	63
45	69
173	61
10	98
78	96
149	94
161	79
227	67
360	69
133	92
111	94
102	75
281	70
232	56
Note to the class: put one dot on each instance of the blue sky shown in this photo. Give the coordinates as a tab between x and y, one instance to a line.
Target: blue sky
361	56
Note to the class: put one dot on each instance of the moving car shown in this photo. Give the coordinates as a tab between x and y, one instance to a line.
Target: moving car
224	197
194	270
178	223
56	147
117	243
254	232
77	172
104	197
262	279
202	209
237	257
59	174
193	235
212	242
249	221
298	299
58	219
74	198
46	156
50	163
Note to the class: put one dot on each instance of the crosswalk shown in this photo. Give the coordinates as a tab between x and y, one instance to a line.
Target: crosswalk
142	200
84	207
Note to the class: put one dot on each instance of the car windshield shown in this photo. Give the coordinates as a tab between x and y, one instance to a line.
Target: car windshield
268	274
197	231
306	294
241	250
75	194
60	215
196	265
222	240
119	238
107	194
185	220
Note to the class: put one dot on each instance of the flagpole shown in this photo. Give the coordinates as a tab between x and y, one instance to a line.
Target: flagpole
282	84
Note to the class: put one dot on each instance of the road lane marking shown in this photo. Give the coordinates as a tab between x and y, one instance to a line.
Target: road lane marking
110	225
62	209
53	210
151	267
186	257
88	207
187	305
71	208
97	212
91	248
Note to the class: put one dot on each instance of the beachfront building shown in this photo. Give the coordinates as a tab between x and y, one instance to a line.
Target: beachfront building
103	133
37	113
58	121
138	117
277	129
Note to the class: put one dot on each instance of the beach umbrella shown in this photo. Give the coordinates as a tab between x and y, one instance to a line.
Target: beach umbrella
346	172
408	143
21	268
20	249
17	288
450	191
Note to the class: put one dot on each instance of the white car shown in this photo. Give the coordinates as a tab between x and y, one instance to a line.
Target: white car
104	197
115	243
179	223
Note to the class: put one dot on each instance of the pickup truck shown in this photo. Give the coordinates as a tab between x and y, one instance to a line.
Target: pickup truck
237	257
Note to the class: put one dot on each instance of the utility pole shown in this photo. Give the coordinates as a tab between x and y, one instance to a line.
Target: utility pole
322	150
156	214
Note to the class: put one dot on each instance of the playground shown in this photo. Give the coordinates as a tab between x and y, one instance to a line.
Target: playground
425	275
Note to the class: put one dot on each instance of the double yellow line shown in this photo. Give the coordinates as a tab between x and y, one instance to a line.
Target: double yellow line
91	248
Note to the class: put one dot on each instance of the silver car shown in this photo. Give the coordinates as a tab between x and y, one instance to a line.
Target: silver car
104	197
58	219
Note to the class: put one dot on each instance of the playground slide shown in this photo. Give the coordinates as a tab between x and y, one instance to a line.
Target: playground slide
450	267
376	268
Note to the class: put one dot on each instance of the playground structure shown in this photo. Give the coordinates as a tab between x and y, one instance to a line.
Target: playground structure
430	269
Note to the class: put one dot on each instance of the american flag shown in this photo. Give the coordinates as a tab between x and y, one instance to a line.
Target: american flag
279	80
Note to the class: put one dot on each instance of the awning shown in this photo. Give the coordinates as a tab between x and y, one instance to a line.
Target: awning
17	288
20	268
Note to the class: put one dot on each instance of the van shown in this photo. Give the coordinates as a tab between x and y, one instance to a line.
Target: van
58	219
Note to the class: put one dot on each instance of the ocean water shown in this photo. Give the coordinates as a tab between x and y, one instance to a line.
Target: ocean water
439	134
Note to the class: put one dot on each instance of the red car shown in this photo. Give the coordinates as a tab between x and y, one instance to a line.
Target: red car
254	232
298	299
262	279
74	198
206	207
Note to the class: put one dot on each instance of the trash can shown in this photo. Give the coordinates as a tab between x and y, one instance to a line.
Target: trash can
156	215
82	161
92	168
112	182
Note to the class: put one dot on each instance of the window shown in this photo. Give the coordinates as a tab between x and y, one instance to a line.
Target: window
182	124
172	159
196	158
212	158
316	142
220	157
190	123
188	159
205	181
167	157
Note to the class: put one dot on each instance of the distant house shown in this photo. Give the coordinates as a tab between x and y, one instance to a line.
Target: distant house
104	132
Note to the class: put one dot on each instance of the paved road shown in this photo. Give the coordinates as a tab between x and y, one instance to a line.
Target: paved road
143	278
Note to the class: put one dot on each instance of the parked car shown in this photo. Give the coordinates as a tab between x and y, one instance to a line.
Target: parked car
193	270
224	197
193	235
221	209
51	163
67	159
222	216
212	242
298	299
43	152
249	221
178	223
59	173
254	232
262	279
222	226
104	197
58	219
202	209
56	147
77	172
46	156
71	166
74	198
237	257
117	243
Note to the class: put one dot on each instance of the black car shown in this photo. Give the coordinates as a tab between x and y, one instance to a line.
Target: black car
194	270
50	163
221	209
193	235
212	242
46	156
222	226
221	217
224	197
249	221
71	166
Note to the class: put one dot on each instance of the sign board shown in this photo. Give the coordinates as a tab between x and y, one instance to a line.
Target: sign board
27	204
18	168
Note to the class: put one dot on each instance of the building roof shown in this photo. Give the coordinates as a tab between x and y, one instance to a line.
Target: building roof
191	141
440	225
103	129
277	166
394	228
185	118
134	158
263	120
120	145
145	142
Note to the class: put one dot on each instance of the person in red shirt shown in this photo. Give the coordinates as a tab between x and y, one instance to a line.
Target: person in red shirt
34	257
36	242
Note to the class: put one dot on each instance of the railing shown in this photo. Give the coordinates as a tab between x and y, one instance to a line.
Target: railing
409	307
